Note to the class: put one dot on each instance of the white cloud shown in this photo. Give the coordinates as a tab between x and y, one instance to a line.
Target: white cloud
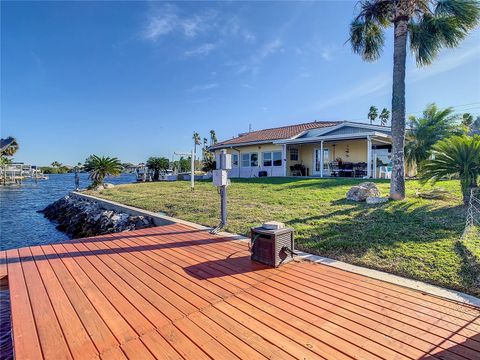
451	60
363	89
234	28
317	47
202	50
254	61
203	87
166	19
163	22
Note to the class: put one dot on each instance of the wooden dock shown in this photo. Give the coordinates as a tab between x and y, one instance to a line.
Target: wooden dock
175	292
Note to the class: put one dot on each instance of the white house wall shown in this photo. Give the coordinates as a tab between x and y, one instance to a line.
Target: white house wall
249	172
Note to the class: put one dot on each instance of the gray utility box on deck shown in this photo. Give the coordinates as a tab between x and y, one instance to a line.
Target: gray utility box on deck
272	247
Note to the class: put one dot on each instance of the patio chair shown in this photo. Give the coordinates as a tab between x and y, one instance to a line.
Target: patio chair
360	169
334	168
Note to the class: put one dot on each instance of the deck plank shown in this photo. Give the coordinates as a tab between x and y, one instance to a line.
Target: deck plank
50	334
97	329
174	292
80	344
25	340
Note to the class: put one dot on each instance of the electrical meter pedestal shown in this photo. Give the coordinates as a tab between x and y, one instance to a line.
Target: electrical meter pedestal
272	247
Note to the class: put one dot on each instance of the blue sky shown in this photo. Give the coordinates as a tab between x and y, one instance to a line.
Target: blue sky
135	79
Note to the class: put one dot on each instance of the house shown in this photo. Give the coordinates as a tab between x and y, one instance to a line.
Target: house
319	148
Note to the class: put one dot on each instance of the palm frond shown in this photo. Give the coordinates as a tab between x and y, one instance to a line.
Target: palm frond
447	26
456	155
367	39
376	11
467	12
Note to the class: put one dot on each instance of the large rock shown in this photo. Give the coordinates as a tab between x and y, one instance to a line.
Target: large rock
363	191
82	218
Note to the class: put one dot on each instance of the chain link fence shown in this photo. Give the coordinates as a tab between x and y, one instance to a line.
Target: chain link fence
472	223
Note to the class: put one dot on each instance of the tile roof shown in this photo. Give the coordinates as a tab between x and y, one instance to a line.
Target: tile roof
284	132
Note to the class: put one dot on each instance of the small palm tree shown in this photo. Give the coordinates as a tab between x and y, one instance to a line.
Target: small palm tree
372	114
157	164
431	26
384	116
101	167
455	156
434	125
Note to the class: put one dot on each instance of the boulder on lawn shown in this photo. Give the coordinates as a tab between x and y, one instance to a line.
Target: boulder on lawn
108	186
363	191
376	200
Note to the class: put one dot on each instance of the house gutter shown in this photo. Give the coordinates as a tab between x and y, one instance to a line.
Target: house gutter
327	138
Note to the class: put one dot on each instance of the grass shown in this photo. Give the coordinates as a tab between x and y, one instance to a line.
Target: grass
417	238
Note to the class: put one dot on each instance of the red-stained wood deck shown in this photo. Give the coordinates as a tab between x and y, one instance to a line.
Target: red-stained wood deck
174	292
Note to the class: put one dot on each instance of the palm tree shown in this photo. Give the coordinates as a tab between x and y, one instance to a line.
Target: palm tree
213	137
384	116
9	146
372	114
101	167
157	164
196	141
455	156
431	25
425	131
56	164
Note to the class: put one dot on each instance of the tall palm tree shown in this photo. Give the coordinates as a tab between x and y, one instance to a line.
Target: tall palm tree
434	125
384	116
213	137
196	141
458	156
431	25
56	164
372	114
101	167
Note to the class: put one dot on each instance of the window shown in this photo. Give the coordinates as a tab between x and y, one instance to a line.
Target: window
234	160
246	160
293	154
277	158
249	159
267	159
253	159
272	158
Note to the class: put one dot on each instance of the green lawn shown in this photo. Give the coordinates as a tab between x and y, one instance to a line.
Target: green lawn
416	238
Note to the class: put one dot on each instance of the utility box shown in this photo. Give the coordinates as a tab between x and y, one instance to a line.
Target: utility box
272	247
223	161
220	177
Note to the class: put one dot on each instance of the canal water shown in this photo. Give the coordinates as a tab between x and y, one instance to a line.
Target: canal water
21	225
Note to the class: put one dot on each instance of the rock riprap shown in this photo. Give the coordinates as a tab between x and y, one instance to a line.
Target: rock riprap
78	217
363	191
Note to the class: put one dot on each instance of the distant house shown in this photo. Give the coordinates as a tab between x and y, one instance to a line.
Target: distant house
322	149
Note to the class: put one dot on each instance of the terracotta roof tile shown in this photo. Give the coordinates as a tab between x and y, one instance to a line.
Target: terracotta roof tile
284	132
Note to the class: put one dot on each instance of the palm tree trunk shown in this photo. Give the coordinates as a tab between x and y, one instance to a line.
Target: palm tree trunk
397	183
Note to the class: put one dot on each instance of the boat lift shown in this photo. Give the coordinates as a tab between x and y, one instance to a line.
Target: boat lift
192	166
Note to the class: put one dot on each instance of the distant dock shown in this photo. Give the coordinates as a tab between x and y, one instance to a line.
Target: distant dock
15	173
